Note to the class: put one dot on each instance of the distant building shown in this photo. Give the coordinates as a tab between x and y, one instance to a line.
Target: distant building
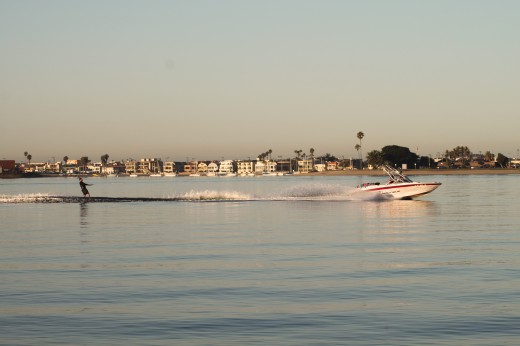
202	168
212	169
226	167
304	166
332	166
270	166
169	167
131	167
7	166
149	165
319	167
191	167
259	167
245	167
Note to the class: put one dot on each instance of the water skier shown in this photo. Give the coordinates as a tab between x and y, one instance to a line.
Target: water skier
84	188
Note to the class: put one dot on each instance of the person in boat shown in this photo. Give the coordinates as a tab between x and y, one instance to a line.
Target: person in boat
83	186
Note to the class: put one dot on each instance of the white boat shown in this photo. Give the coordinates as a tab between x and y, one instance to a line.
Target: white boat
400	186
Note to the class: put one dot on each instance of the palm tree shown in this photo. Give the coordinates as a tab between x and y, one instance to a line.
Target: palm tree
65	159
311	151
360	136
104	162
25	154
270	151
104	159
29	157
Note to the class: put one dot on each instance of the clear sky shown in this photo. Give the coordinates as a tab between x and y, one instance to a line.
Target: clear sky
233	79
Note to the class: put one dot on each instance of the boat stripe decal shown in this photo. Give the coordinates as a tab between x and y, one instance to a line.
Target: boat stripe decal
409	185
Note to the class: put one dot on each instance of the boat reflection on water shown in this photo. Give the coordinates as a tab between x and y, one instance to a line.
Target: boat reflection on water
397	217
399	209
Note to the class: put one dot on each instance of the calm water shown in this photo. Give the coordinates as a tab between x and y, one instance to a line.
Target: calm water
260	261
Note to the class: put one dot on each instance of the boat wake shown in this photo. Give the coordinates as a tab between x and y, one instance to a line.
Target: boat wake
315	192
325	192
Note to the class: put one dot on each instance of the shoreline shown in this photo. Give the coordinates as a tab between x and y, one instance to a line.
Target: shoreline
353	172
420	171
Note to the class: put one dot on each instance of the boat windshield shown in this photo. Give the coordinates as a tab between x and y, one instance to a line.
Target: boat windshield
395	175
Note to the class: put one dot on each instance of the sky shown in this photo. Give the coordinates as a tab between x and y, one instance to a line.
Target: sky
226	79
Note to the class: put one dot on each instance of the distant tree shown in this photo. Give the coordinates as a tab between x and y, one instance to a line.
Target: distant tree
25	153
29	157
426	161
65	160
502	160
84	162
460	153
358	148
270	151
375	158
328	158
396	155
488	156
104	159
360	136
311	151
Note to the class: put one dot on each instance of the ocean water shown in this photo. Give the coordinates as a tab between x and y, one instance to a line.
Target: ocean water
259	261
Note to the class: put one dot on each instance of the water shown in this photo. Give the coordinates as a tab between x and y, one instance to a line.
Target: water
259	261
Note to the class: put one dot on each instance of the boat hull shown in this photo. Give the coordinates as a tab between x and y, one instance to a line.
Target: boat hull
402	190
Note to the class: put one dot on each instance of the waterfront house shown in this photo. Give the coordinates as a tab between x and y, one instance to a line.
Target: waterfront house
259	167
270	166
202	168
332	165
149	165
191	167
212	169
169	167
226	167
131	167
320	167
245	167
304	166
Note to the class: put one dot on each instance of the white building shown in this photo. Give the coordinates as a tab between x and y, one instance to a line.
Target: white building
212	169
245	167
226	167
304	166
319	167
202	168
169	167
